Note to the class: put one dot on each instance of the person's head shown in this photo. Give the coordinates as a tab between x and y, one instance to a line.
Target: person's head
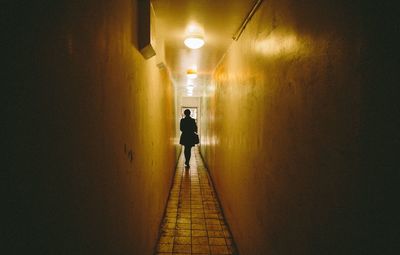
187	112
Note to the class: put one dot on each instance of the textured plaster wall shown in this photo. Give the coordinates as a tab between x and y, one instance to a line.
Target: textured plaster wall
288	134
90	127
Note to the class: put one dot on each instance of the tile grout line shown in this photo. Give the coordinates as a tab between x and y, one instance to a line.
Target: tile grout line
177	207
232	244
166	208
195	185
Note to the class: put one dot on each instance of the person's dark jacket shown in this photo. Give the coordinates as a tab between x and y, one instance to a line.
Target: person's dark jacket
188	127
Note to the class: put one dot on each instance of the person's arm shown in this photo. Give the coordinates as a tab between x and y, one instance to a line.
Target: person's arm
181	125
195	126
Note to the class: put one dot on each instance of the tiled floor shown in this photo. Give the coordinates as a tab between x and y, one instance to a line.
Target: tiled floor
193	222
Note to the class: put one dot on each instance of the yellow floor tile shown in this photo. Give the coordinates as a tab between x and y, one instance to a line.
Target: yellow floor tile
193	222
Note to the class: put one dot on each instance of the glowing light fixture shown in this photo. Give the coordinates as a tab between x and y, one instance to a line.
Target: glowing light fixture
194	38
194	41
191	73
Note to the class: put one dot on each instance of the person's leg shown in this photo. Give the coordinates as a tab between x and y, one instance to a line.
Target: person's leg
187	154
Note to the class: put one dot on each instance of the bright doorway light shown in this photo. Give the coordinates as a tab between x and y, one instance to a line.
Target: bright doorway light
190	82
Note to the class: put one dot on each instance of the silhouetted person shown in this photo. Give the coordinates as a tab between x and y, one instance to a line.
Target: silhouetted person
189	128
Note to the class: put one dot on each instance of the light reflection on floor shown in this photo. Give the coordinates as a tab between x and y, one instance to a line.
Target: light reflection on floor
193	222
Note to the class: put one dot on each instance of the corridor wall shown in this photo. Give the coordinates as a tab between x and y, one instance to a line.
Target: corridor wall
290	132
89	130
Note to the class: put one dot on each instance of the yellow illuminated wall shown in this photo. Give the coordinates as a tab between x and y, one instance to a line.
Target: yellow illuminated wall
283	127
91	127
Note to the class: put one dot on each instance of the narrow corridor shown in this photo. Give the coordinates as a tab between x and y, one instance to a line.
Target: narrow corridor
295	102
193	221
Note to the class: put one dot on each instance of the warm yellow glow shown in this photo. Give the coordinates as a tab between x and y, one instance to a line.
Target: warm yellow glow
277	45
211	88
194	38
194	28
194	42
191	73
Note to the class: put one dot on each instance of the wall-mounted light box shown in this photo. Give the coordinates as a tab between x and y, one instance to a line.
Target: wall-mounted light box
145	42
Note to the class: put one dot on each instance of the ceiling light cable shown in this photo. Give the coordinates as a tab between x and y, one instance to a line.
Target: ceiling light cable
246	20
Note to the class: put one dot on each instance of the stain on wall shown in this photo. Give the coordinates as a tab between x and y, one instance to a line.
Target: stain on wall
90	128
285	128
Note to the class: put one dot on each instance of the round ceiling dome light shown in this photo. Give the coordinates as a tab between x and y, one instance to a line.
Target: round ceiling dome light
194	41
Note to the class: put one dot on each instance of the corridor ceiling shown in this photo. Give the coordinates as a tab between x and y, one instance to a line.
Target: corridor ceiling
219	19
